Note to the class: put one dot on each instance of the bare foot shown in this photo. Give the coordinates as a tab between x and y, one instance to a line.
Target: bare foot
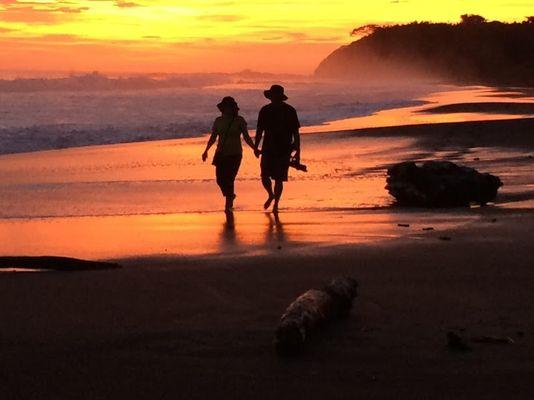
267	204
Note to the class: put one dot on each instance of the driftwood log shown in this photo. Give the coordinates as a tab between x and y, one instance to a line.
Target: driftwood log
440	184
54	263
311	310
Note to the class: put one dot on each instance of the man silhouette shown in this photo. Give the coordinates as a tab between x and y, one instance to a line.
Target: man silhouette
280	123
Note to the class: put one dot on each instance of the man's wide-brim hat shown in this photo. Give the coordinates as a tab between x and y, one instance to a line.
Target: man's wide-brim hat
276	92
228	103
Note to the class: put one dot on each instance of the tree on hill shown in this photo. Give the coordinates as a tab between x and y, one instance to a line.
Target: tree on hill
364	30
473	19
473	51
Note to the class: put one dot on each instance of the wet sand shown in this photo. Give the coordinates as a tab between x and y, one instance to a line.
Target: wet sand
198	321
156	198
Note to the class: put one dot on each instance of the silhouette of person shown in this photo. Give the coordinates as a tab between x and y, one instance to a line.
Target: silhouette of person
228	129
280	123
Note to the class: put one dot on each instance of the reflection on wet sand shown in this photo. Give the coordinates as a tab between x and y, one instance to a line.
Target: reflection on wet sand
275	234
228	233
274	237
210	233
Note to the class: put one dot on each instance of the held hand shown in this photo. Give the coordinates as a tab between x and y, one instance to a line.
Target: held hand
204	156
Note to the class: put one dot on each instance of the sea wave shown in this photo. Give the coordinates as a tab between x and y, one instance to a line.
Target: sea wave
33	121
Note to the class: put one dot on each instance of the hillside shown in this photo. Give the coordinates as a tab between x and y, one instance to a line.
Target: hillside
473	51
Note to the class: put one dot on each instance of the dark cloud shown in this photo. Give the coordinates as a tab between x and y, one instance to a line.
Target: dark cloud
121	3
35	12
74	10
126	4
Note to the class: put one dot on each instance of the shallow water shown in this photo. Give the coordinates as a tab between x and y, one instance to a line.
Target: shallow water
158	198
169	177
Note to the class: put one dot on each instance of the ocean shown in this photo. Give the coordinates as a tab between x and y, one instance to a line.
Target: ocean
40	119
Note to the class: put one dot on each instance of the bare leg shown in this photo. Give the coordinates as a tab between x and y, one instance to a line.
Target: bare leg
229	203
267	184
278	189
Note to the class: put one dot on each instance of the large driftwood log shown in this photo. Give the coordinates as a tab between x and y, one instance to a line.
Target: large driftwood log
311	310
440	184
55	263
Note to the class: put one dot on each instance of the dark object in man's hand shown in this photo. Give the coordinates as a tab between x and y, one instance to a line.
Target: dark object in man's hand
293	163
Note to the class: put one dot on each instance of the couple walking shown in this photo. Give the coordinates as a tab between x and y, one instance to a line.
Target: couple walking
278	125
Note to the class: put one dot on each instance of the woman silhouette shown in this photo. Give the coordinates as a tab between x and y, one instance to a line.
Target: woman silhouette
228	129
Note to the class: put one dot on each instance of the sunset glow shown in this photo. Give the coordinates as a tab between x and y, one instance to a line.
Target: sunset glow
204	35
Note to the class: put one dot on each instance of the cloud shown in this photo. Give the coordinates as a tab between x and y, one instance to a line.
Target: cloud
37	12
74	10
220	17
121	3
68	40
126	4
278	35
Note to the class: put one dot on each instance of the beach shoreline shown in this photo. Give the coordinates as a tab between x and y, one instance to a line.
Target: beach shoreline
200	324
152	198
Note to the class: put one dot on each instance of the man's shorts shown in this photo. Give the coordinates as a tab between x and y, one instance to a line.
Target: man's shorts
274	166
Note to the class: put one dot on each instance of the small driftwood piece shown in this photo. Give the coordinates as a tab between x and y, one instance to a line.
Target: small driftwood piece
493	340
55	263
311	310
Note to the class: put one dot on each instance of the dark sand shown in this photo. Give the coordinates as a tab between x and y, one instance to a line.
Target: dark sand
512	133
202	327
500	107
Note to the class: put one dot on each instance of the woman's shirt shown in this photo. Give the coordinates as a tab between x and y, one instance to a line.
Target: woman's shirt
229	133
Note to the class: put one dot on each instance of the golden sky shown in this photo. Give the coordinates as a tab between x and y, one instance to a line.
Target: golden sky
206	35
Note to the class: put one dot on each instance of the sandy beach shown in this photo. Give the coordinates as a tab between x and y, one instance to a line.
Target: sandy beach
202	327
193	311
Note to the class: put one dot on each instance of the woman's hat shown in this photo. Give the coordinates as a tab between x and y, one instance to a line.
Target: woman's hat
228	102
276	92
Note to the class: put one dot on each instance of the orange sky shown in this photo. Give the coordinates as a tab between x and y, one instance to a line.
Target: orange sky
206	35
